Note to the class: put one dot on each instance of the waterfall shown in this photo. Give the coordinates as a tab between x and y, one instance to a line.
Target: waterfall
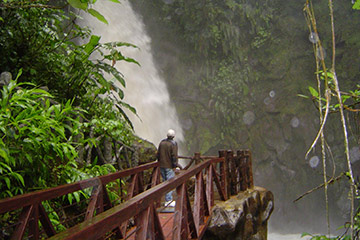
145	89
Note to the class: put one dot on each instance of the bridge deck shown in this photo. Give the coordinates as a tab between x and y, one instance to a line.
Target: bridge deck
166	221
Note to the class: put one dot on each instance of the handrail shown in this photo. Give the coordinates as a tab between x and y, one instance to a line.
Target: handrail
99	225
33	211
10	204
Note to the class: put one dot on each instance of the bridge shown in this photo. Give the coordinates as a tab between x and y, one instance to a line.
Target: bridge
128	204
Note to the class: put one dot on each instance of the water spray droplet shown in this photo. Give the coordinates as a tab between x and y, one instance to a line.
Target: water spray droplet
248	117
272	93
179	11
5	78
313	37
86	186
295	122
187	124
354	154
267	101
318	53
314	161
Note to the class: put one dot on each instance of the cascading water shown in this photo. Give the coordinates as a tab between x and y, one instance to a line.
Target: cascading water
145	89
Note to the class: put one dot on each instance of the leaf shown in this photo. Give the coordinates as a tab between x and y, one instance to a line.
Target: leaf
127	119
303	96
313	92
90	46
19	74
7	181
345	97
78	4
4	155
76	196
18	177
115	1
70	198
98	15
305	234
4	166
356	5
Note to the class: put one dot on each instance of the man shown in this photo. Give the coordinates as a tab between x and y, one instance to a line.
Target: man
167	155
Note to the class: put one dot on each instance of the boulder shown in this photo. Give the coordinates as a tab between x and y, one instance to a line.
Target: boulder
242	217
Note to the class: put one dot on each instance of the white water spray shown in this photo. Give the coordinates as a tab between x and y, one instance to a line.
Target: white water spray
145	89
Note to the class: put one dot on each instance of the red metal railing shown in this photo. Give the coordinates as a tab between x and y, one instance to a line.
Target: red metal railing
33	209
138	218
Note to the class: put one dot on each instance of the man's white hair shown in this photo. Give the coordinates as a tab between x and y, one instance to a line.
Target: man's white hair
171	133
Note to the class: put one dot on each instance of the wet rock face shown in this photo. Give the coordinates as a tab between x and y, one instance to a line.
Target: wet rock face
242	217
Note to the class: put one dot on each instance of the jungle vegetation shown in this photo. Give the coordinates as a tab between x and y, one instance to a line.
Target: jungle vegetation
57	124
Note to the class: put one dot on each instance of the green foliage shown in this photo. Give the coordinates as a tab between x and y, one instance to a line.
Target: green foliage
320	237
35	139
42	131
113	187
220	28
86	172
52	58
108	123
357	5
228	89
350	99
313	92
53	216
324	237
84	5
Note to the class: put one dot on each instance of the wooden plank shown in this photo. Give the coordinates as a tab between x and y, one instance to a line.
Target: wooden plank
158	231
93	202
23	222
180	219
34	223
190	223
209	187
199	200
218	186
143	224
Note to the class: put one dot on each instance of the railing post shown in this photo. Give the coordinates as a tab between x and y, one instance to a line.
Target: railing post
232	172
238	170
224	172
246	175
34	224
197	158
243	171
250	182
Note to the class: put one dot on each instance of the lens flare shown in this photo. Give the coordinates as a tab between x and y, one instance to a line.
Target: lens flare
313	37
314	161
249	117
